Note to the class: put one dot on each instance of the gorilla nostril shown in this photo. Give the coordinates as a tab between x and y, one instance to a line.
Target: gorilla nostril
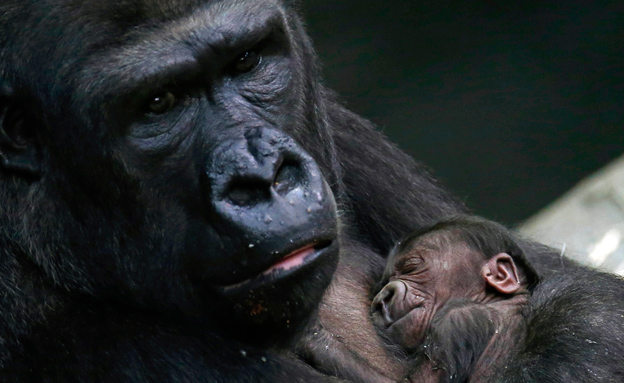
377	306
248	192
389	294
382	306
289	175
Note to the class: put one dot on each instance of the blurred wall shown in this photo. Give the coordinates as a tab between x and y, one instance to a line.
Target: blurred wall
509	103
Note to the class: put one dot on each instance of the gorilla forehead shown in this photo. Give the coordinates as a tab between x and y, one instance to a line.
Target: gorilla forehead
188	45
138	12
89	27
125	12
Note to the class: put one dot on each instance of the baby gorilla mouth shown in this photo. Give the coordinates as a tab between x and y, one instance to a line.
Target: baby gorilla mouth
404	317
399	319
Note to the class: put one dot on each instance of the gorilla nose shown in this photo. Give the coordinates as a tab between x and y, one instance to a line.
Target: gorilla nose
265	167
263	182
269	197
386	302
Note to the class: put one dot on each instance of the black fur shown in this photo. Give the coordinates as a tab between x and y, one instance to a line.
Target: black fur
459	335
574	334
566	334
113	247
120	225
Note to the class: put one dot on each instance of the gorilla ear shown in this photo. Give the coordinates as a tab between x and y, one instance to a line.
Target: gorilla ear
19	149
500	272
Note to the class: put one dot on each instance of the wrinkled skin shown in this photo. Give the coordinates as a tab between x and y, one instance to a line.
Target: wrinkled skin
466	304
177	151
177	188
421	282
171	177
454	298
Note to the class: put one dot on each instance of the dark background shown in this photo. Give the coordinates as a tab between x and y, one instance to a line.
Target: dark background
509	103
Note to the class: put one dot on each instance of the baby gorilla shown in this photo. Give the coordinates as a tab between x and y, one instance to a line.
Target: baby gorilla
454	299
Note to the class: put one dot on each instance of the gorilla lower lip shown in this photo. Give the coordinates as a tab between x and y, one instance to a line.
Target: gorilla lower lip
294	259
290	263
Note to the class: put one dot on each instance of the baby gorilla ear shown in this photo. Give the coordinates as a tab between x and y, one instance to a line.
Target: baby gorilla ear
501	273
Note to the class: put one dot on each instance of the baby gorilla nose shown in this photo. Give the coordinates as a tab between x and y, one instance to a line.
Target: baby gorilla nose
385	305
380	309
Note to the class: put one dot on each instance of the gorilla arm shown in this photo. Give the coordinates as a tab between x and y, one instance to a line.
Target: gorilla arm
343	340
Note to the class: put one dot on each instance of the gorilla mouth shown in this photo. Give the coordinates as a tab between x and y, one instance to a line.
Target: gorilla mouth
406	316
294	259
287	265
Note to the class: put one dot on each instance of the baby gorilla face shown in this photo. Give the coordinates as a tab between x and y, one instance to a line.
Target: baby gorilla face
421	280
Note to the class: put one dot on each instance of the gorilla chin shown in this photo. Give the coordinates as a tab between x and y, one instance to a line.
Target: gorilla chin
282	299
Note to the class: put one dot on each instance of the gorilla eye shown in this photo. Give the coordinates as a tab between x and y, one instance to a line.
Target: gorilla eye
162	103
246	62
410	265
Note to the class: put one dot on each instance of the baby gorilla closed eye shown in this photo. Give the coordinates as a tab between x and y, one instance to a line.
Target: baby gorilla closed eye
454	298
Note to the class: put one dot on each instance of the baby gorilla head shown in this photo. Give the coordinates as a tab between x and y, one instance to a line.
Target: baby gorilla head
462	258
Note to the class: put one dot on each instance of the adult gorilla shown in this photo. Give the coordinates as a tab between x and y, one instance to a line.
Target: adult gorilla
165	172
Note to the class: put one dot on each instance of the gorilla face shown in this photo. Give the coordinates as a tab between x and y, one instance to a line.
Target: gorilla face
167	164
